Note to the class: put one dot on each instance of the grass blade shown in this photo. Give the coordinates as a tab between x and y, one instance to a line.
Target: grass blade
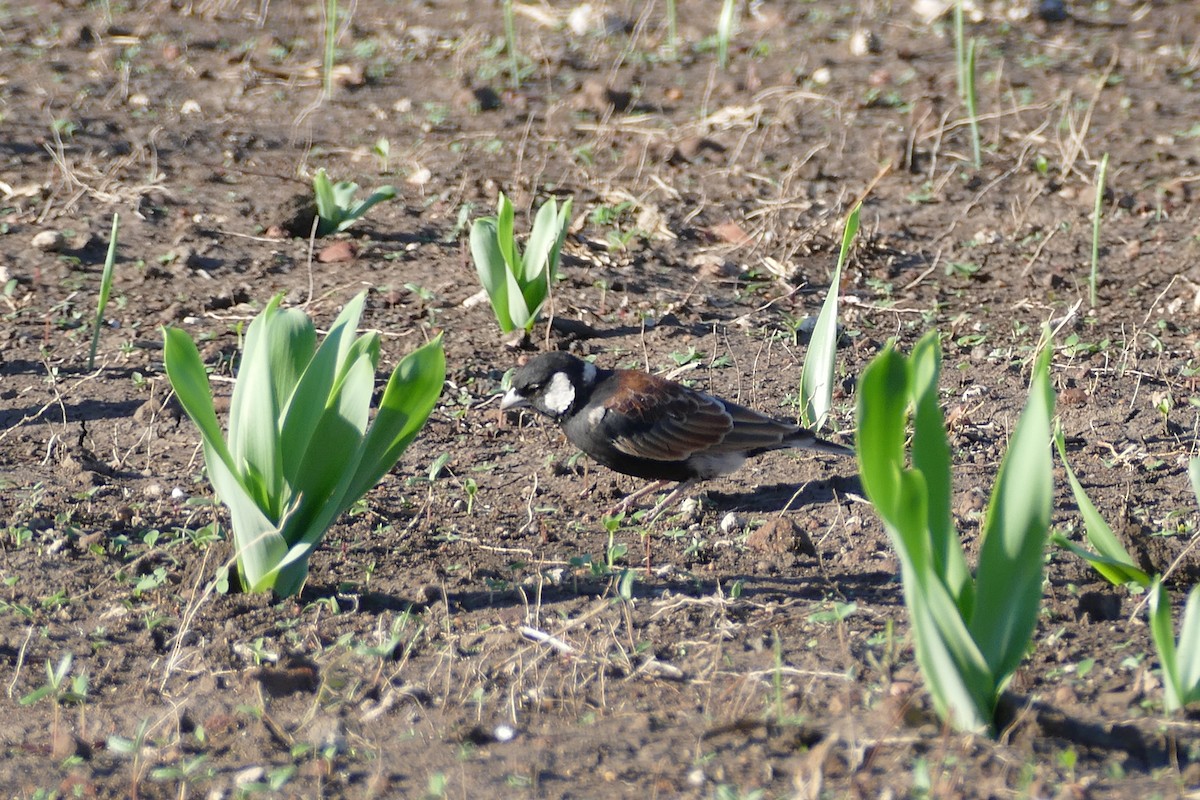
106	280
1097	213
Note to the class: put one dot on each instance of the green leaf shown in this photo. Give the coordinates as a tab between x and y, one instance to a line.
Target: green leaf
256	537
377	196
1188	650
493	272
931	457
279	345
1008	579
883	392
186	373
1164	641
411	393
1113	561
816	378
309	399
505	238
1115	572
327	204
540	255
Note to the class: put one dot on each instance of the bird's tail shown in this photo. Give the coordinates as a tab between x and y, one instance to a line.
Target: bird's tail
807	440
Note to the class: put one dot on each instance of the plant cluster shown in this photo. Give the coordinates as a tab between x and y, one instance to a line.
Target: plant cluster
300	450
518	284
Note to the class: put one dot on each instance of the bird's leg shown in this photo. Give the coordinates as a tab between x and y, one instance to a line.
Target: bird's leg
674	495
628	501
657	511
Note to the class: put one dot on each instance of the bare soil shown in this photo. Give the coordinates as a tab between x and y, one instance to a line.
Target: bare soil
463	634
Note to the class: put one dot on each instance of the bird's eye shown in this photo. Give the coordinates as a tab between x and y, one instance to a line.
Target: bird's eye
533	387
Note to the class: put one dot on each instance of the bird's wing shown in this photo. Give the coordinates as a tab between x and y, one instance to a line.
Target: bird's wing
664	421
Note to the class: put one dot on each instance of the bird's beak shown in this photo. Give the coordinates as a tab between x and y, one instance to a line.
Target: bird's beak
512	400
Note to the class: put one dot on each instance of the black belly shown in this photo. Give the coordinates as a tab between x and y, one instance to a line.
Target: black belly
599	448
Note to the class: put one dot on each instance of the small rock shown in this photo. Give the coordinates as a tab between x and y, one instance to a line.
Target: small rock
340	251
730	523
249	775
504	733
48	241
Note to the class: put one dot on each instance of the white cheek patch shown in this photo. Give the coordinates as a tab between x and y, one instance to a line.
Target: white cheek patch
589	373
560	394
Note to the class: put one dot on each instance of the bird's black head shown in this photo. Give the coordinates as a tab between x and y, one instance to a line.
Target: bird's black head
556	384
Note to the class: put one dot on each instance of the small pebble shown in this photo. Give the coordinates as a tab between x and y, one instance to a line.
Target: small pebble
48	241
503	733
178	494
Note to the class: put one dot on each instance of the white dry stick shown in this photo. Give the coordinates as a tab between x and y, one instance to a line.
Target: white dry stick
558	645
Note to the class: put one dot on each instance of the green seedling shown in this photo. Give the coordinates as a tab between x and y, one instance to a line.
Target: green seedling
336	210
1180	661
330	48
382	150
106	281
299	451
1097	213
970	632
672	30
517	285
1110	559
816	378
725	32
972	101
510	44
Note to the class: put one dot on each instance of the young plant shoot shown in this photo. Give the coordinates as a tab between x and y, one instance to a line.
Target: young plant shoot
970	632
816	378
336	210
300	448
517	285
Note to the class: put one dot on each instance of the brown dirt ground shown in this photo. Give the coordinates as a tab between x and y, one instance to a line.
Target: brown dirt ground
709	203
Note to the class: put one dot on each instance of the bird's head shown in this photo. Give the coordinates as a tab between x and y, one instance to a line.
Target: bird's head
554	384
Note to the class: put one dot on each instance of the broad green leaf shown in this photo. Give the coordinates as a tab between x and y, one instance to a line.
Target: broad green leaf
883	393
962	687
186	373
541	253
326	199
1008	585
518	310
279	345
343	196
410	396
1164	641
505	238
334	449
311	395
411	393
1188	650
493	272
1113	561
256	537
931	456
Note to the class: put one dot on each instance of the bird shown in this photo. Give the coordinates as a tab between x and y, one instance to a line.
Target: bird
650	427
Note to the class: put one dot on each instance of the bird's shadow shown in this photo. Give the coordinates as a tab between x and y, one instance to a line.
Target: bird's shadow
778	497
